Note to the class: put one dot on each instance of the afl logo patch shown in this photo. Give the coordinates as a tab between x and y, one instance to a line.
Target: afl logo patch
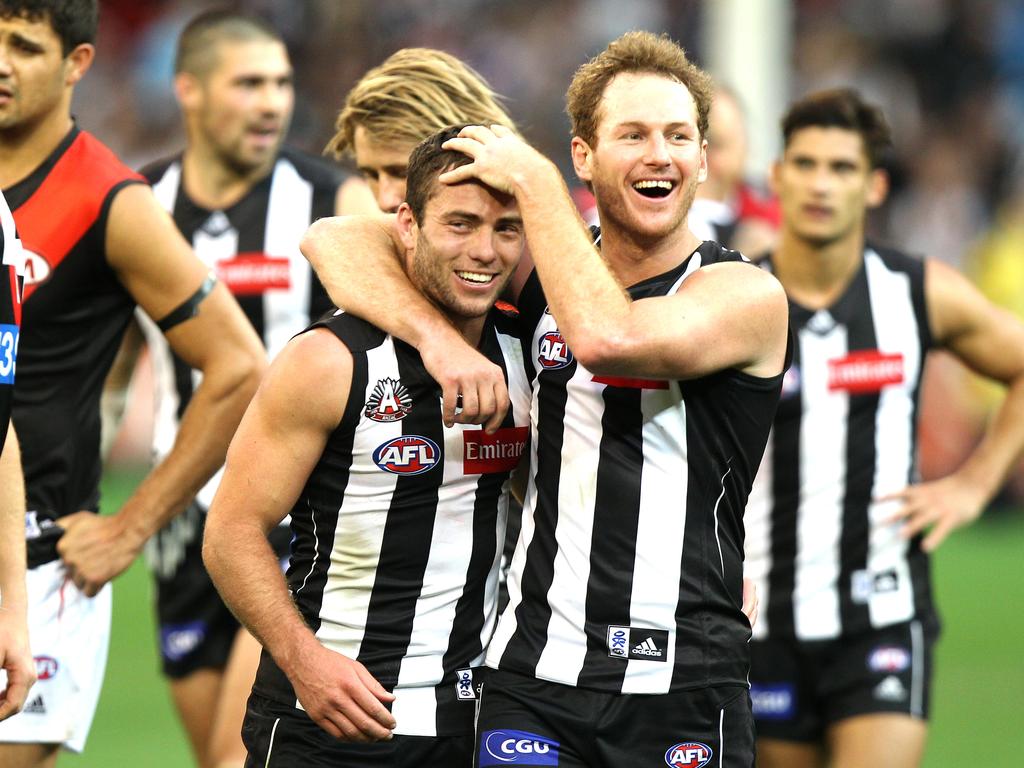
407	455
552	351
688	754
389	401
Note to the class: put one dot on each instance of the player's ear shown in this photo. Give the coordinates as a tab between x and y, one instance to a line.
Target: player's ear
581	159
187	90
408	229
77	63
773	177
878	187
702	170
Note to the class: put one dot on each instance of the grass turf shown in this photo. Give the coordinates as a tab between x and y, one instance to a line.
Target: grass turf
978	702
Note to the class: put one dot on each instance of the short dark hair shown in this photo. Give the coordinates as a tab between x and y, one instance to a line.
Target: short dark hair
428	161
74	21
197	44
842	108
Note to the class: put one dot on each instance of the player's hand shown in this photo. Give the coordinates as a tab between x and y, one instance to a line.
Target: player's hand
95	549
16	660
472	387
341	696
750	601
940	506
499	157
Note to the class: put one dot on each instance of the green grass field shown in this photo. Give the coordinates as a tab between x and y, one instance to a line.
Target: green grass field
978	695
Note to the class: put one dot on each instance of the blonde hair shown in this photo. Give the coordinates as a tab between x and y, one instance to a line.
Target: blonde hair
640	52
413	94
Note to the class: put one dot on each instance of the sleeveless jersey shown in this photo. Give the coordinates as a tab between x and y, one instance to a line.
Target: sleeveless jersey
844	435
627	576
399	530
10	312
74	314
254	248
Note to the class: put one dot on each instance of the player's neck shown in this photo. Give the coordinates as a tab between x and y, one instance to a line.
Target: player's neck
816	275
23	148
633	259
212	184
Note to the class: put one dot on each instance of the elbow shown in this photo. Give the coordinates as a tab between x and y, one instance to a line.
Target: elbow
311	243
603	352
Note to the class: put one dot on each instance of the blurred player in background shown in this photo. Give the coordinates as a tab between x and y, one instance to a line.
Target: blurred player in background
96	244
838	526
727	208
243	201
16	662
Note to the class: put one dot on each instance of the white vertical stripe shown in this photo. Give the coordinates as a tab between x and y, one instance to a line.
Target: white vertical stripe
721	738
289	210
918	672
721	558
270	746
166	189
565	651
659	536
758	542
361	520
316	549
823	430
896	330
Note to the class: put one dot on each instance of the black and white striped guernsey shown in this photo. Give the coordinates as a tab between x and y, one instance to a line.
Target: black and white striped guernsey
254	248
398	531
844	435
627	574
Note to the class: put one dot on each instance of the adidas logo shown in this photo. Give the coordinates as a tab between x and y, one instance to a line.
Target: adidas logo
35	707
890	689
648	648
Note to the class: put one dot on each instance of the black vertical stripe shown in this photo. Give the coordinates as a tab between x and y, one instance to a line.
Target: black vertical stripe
613	539
405	547
785	482
861	455
534	612
249	216
319	301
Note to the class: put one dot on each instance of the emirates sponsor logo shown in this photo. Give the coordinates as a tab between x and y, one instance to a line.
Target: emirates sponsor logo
251	274
485	454
864	372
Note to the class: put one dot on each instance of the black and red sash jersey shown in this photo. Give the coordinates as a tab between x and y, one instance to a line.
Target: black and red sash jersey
10	312
74	314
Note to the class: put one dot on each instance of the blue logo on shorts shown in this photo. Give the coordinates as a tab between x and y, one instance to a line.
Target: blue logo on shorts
773	702
179	640
509	747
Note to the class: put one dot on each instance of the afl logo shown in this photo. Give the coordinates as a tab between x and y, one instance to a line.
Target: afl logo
36	269
46	667
552	351
407	455
688	754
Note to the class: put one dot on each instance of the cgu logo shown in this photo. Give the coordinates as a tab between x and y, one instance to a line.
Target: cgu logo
688	754
553	353
407	455
46	667
517	748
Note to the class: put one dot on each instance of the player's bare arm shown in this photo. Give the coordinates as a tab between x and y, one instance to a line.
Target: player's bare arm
357	260
160	271
15	658
727	315
989	341
354	198
277	446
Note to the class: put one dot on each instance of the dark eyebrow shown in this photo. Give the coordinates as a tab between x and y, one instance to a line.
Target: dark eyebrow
27	42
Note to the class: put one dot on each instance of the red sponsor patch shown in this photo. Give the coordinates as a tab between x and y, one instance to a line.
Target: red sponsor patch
250	274
485	454
865	371
625	381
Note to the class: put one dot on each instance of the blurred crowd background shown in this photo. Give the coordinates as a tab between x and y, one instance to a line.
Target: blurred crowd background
949	74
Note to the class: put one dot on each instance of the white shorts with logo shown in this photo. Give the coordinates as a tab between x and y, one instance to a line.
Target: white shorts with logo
69	634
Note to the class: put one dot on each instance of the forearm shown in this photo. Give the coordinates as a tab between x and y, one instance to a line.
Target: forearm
991	461
12	528
356	259
206	428
248	576
590	306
